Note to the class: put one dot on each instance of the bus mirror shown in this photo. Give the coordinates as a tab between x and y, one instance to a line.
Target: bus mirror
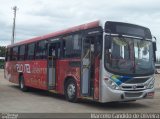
154	50
154	46
107	42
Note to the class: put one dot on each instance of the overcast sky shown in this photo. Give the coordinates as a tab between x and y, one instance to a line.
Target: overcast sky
39	17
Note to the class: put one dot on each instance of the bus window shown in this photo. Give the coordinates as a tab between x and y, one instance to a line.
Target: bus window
54	50
41	50
73	46
30	51
15	53
63	47
98	46
8	54
22	52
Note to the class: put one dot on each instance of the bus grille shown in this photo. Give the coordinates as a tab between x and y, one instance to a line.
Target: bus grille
132	87
137	94
136	80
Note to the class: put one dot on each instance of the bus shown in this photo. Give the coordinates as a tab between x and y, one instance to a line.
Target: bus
2	59
103	62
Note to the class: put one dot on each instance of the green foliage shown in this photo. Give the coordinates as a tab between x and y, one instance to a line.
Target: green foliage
2	51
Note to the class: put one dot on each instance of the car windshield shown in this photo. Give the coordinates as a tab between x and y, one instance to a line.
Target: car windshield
130	56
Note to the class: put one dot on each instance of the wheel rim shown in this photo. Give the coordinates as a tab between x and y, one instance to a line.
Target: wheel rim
21	84
71	90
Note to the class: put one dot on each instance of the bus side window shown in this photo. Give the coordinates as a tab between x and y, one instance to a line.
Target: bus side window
15	53
31	51
41	49
21	52
72	46
68	46
52	51
8	54
76	45
63	49
58	50
98	46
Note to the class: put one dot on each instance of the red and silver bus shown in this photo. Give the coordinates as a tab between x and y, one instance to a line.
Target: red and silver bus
106	62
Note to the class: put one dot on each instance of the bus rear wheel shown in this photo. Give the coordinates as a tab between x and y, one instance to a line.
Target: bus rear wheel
22	84
71	91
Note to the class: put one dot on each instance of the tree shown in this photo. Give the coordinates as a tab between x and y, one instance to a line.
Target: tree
2	51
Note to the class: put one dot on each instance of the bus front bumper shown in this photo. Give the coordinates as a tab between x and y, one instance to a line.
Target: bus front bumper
110	95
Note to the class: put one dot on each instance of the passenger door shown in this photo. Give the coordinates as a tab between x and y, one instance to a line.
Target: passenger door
90	59
86	66
53	56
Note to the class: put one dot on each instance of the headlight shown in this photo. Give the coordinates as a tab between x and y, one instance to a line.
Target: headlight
151	84
112	84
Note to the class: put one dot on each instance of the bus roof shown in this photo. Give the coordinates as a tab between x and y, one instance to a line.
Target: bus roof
54	34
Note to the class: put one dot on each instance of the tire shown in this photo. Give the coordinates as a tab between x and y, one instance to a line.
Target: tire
71	90
22	84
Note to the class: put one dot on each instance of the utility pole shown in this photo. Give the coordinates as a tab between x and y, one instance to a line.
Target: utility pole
14	23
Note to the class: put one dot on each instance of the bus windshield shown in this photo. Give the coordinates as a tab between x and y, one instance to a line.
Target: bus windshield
129	56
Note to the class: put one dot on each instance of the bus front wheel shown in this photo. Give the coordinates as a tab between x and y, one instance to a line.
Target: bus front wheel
22	84
71	91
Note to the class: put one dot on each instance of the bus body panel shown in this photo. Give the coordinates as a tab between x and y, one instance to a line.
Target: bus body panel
64	70
11	72
34	73
97	78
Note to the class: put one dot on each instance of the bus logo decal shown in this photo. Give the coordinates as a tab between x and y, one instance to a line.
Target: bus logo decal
23	68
